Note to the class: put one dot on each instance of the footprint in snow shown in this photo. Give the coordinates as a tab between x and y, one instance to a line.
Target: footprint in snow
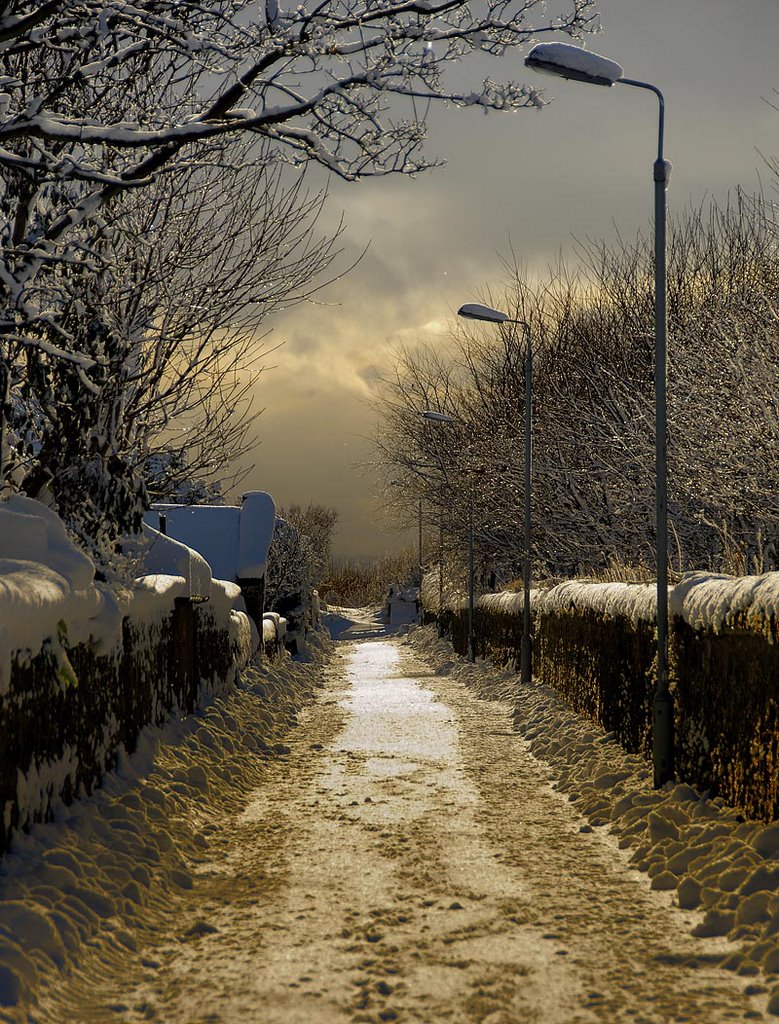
200	928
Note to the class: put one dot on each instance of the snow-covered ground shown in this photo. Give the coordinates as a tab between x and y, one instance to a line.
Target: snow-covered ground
699	850
82	896
394	850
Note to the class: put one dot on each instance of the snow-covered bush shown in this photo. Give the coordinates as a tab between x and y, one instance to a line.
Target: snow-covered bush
289	581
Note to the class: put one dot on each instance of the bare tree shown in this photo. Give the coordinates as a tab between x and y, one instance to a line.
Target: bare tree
592	332
316	522
100	98
190	269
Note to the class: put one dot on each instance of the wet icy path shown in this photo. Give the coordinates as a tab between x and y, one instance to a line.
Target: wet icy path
410	861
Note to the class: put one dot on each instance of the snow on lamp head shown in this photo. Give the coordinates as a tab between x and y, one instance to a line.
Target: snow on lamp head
475	311
572	62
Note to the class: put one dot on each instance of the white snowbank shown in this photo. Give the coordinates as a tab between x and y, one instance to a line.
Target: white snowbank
274	628
233	540
47	585
34	533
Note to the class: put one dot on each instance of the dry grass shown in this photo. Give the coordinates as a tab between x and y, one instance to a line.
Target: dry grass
356	584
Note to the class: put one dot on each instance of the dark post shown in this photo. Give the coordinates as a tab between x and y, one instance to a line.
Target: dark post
663	708
183	668
526	652
253	591
471	639
441	572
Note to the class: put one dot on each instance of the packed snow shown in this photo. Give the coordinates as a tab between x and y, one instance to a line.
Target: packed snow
94	882
697	849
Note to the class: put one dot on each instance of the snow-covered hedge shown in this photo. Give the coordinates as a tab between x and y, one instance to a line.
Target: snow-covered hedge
84	666
595	643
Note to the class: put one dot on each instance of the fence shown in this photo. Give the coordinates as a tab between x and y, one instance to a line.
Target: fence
66	711
595	645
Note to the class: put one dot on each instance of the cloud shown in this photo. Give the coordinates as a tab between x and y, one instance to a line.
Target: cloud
530	182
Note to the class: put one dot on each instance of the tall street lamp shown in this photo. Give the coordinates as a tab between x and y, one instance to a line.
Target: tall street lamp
417	465
419	510
442	417
571	62
475	311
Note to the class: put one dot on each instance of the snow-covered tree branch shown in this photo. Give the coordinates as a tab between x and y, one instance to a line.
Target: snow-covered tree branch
172	324
100	96
593	338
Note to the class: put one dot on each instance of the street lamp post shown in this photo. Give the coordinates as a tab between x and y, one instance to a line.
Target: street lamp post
419	510
442	417
475	311
440	570
571	62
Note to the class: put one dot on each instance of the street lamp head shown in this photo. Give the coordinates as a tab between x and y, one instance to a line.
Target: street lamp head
572	62
438	417
475	311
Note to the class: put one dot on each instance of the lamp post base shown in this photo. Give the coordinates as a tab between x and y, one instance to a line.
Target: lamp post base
526	660
663	739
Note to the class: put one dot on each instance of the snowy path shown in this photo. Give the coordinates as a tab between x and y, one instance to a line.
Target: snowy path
408	861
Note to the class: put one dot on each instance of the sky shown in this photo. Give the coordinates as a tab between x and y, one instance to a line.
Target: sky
532	182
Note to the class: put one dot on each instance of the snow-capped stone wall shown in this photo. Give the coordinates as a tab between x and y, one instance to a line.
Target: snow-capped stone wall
84	667
595	644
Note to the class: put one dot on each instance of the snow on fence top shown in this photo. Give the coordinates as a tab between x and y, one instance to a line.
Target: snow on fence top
633	601
44	581
169	557
707	600
703	600
234	540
